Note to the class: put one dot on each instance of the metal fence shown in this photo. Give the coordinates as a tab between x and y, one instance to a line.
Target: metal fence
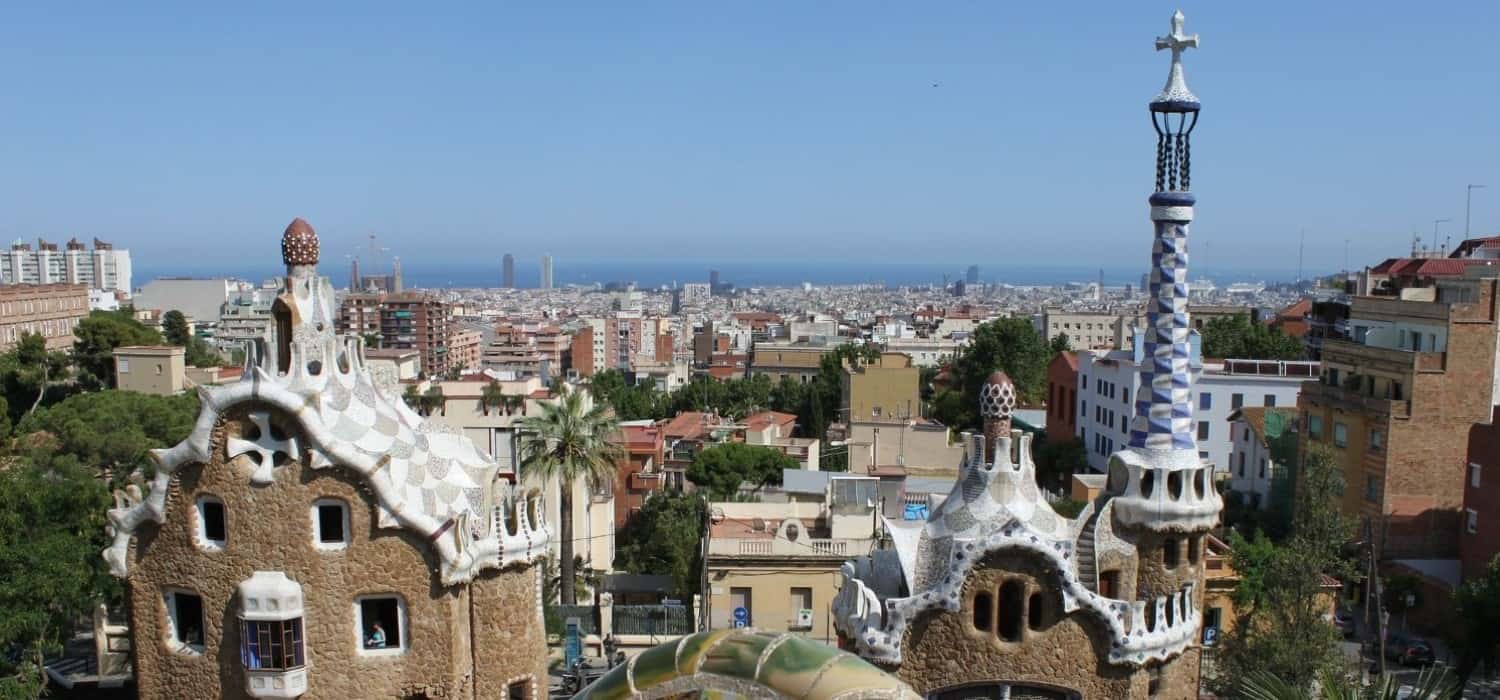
557	618
661	620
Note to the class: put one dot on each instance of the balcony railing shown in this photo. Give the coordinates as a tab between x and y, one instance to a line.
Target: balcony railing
776	547
1353	400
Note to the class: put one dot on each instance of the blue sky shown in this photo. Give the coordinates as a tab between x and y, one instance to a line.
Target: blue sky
742	131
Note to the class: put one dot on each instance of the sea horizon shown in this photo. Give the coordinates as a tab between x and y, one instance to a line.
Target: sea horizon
666	273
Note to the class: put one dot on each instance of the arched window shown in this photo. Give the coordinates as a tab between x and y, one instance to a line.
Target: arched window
984	612
1012	604
1035	611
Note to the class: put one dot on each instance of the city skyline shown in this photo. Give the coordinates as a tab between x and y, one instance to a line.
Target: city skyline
864	128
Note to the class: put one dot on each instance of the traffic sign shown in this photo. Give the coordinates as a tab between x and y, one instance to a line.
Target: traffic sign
741	618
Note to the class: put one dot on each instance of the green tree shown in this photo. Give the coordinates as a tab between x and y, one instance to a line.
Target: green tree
569	442
97	335
1009	344
1237	337
1281	627
52	528
32	370
1058	460
1431	684
721	469
1474	633
630	402
1060	343
111	430
664	536
174	328
492	396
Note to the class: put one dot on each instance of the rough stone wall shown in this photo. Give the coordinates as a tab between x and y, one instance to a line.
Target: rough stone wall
1153	577
270	529
943	649
509	633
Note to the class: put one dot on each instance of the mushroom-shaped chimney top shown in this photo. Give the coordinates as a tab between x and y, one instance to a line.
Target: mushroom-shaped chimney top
299	244
997	398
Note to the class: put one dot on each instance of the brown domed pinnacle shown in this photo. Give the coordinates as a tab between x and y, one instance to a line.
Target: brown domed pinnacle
299	244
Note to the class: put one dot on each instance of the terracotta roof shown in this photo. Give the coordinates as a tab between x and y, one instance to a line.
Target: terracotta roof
688	424
1071	358
765	419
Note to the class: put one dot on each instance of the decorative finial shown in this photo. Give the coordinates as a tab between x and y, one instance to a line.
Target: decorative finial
997	398
1176	97
299	244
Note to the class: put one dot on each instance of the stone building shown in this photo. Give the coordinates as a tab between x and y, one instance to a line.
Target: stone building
996	594
49	310
313	537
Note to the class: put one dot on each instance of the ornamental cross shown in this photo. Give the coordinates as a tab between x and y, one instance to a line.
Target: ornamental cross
1177	41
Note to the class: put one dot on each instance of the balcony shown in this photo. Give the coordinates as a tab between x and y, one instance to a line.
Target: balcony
1353	401
1362	356
814	548
1392	309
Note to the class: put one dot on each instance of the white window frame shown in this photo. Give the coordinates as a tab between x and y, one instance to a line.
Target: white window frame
169	601
1474	470
403	631
123	364
1471	521
317	524
200	531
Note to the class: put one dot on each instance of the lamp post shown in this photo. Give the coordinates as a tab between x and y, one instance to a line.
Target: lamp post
1468	201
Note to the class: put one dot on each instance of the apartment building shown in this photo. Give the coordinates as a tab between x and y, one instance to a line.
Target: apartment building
49	310
100	268
463	348
779	562
1396	403
1090	330
402	321
621	342
781	360
1263	453
1108	381
1062	394
888	387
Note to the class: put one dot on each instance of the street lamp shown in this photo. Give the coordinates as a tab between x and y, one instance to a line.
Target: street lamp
1468	200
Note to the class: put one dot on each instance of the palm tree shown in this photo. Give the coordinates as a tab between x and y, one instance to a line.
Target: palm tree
566	443
1433	684
493	396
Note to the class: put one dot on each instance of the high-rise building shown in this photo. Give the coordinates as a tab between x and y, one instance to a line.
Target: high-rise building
405	321
508	271
397	285
713	281
546	272
985	596
972	276
354	281
103	267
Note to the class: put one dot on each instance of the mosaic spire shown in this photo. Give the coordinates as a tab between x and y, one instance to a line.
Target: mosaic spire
1164	406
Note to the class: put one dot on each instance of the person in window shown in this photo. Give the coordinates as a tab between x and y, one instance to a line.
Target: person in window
377	638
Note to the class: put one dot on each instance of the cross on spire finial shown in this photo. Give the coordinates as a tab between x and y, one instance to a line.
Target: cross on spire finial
1176	90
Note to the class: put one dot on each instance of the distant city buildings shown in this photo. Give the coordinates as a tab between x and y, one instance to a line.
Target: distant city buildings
971	277
405	321
49	310
546	280
101	267
508	271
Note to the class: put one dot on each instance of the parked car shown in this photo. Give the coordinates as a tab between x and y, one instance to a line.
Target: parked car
1395	646
1417	653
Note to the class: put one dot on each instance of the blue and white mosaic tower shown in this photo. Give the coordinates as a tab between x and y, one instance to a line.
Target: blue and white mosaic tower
1162	482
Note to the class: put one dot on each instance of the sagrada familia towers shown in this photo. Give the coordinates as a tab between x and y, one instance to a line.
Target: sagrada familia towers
997	595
